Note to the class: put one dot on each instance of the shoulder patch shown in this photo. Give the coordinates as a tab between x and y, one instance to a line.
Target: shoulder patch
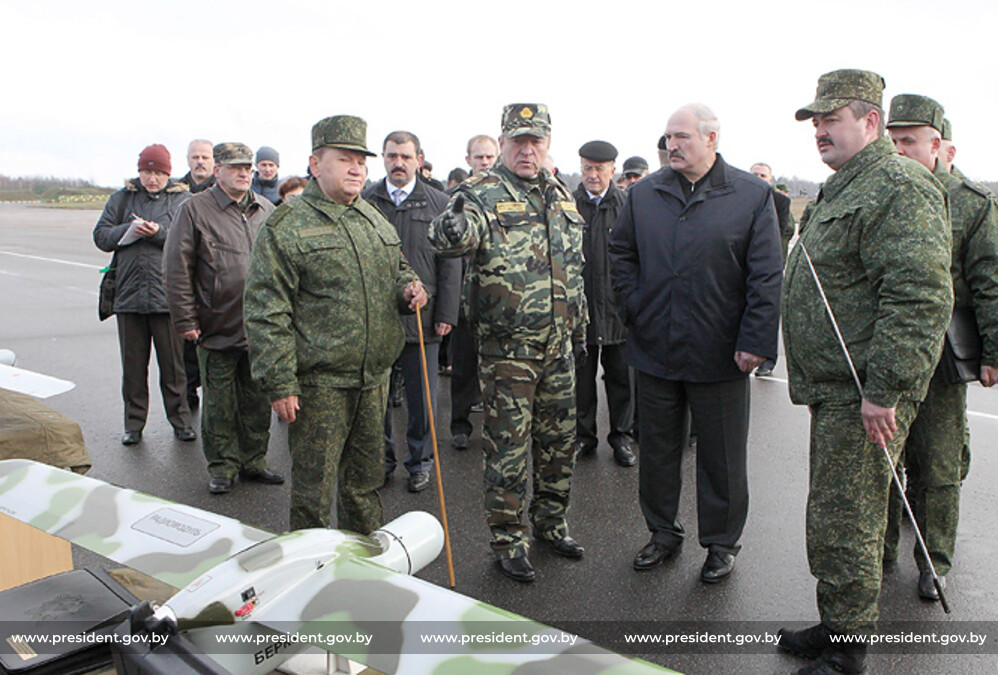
978	188
279	214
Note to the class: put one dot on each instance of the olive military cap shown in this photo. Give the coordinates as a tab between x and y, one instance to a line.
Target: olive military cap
635	165
598	151
912	110
839	88
526	118
947	130
232	153
341	131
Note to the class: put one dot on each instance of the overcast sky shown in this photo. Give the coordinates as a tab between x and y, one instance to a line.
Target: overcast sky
89	84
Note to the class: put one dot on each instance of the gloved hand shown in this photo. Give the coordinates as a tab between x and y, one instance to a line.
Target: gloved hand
580	353
453	222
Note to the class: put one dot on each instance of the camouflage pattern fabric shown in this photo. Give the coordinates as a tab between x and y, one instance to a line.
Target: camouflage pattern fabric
936	457
933	462
879	239
336	443
524	294
527	400
523	290
323	295
235	414
846	507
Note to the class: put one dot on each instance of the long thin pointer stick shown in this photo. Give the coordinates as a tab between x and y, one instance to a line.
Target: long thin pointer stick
436	455
897	480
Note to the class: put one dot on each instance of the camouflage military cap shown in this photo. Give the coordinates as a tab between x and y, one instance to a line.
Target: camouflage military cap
341	131
947	130
598	151
912	110
526	118
839	88
232	153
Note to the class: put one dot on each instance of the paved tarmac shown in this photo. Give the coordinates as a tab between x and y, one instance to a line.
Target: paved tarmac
48	299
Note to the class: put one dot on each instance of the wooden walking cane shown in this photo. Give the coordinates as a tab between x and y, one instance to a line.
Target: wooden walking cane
436	455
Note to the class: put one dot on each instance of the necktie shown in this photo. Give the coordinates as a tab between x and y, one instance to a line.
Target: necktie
597	199
398	196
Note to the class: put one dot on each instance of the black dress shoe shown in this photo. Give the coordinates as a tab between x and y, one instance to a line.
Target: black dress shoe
419	481
927	589
186	434
219	485
460	442
567	547
717	567
193	401
809	642
265	476
131	437
583	449
622	453
517	569
653	554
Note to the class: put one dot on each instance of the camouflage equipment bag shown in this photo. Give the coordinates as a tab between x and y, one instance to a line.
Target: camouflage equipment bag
105	301
961	359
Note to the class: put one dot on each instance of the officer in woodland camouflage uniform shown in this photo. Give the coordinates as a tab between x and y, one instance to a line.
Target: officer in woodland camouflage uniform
327	282
523	292
879	238
935	448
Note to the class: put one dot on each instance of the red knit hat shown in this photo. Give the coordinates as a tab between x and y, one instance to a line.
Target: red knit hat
155	157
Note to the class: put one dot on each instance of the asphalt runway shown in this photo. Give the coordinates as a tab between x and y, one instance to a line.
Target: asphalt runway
48	316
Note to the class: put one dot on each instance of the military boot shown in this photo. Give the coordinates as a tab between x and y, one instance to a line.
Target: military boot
809	643
838	660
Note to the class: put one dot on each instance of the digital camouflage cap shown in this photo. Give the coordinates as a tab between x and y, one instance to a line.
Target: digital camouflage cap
913	110
341	131
526	118
839	88
232	153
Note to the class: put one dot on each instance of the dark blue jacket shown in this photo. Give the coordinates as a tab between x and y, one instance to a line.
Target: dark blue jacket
698	280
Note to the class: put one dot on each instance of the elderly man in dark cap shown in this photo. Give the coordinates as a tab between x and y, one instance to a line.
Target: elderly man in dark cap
134	226
205	263
879	241
635	168
326	289
525	296
600	201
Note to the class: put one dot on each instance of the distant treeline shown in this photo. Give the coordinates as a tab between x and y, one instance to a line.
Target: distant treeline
39	184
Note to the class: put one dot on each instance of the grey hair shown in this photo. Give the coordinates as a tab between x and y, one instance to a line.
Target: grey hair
196	141
706	121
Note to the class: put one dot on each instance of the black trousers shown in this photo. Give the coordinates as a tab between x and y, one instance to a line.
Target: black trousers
616	380
720	416
137	333
192	369
418	441
464	388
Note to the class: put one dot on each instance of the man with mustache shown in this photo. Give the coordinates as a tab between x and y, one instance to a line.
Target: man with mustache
697	273
207	252
525	299
879	239
326	286
410	204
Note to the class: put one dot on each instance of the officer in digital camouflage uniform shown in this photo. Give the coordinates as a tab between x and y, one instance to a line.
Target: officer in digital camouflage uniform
933	455
326	286
524	294
879	238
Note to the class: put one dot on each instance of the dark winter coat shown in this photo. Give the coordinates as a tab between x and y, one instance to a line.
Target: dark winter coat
606	326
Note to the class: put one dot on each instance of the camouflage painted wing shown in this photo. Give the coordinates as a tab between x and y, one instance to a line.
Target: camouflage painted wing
171	542
418	627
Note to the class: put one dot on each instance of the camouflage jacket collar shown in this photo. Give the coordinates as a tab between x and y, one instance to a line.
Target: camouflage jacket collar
316	198
872	154
519	188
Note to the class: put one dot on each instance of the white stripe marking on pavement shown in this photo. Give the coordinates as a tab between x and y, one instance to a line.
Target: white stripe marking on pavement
55	260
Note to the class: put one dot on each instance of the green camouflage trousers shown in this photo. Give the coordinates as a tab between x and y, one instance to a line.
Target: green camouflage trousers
337	443
235	414
933	459
529	415
847	513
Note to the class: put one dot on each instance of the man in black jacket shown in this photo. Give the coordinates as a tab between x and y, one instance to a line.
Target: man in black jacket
410	204
599	201
697	273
